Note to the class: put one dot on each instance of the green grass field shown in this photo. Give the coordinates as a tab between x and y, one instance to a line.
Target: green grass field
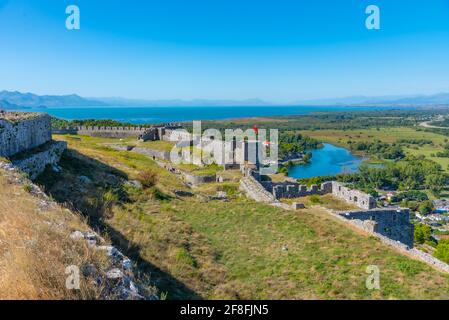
200	248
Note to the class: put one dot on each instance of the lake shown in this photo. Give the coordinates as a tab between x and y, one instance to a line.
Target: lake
327	161
142	115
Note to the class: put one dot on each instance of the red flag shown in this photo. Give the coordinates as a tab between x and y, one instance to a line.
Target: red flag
256	130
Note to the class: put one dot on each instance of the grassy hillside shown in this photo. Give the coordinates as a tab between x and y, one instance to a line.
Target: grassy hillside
35	247
196	247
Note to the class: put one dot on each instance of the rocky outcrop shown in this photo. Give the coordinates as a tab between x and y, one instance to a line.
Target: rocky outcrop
35	163
118	280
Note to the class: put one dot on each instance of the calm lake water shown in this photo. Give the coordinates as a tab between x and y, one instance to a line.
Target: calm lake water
142	115
327	161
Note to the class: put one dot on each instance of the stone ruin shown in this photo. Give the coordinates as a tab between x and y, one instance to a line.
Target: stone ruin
23	131
165	132
25	139
393	223
292	190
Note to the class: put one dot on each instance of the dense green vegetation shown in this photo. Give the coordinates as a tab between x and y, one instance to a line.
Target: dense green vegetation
335	120
292	143
381	150
440	123
442	251
443	154
423	234
60	123
409	174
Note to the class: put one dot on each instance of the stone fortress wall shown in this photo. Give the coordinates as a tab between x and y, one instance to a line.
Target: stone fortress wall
291	190
162	132
20	132
104	132
25	138
393	223
35	164
358	198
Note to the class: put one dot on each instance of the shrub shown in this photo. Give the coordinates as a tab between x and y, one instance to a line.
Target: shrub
148	178
423	233
108	201
442	251
27	187
315	199
426	207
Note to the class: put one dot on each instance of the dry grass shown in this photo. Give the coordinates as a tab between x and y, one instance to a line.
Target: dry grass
35	248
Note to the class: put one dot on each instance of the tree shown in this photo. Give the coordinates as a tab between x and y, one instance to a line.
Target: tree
442	251
307	157
426	207
435	182
423	233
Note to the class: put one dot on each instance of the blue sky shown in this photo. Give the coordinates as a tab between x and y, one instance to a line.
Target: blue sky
283	50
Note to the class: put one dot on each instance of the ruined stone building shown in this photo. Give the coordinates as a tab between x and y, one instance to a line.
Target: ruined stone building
25	139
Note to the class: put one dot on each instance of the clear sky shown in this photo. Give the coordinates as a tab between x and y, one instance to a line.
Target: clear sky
277	50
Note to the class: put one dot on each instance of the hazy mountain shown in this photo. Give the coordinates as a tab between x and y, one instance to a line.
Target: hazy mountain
404	100
183	103
16	100
31	100
5	105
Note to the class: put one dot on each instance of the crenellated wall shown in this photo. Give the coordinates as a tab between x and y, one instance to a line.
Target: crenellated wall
21	132
104	132
155	133
290	190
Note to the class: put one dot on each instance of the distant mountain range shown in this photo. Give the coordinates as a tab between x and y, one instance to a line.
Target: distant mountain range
182	103
17	100
13	100
415	100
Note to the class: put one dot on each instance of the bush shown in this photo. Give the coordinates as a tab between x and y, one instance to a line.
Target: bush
148	178
315	199
426	208
442	251
27	187
410	196
108	201
423	233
